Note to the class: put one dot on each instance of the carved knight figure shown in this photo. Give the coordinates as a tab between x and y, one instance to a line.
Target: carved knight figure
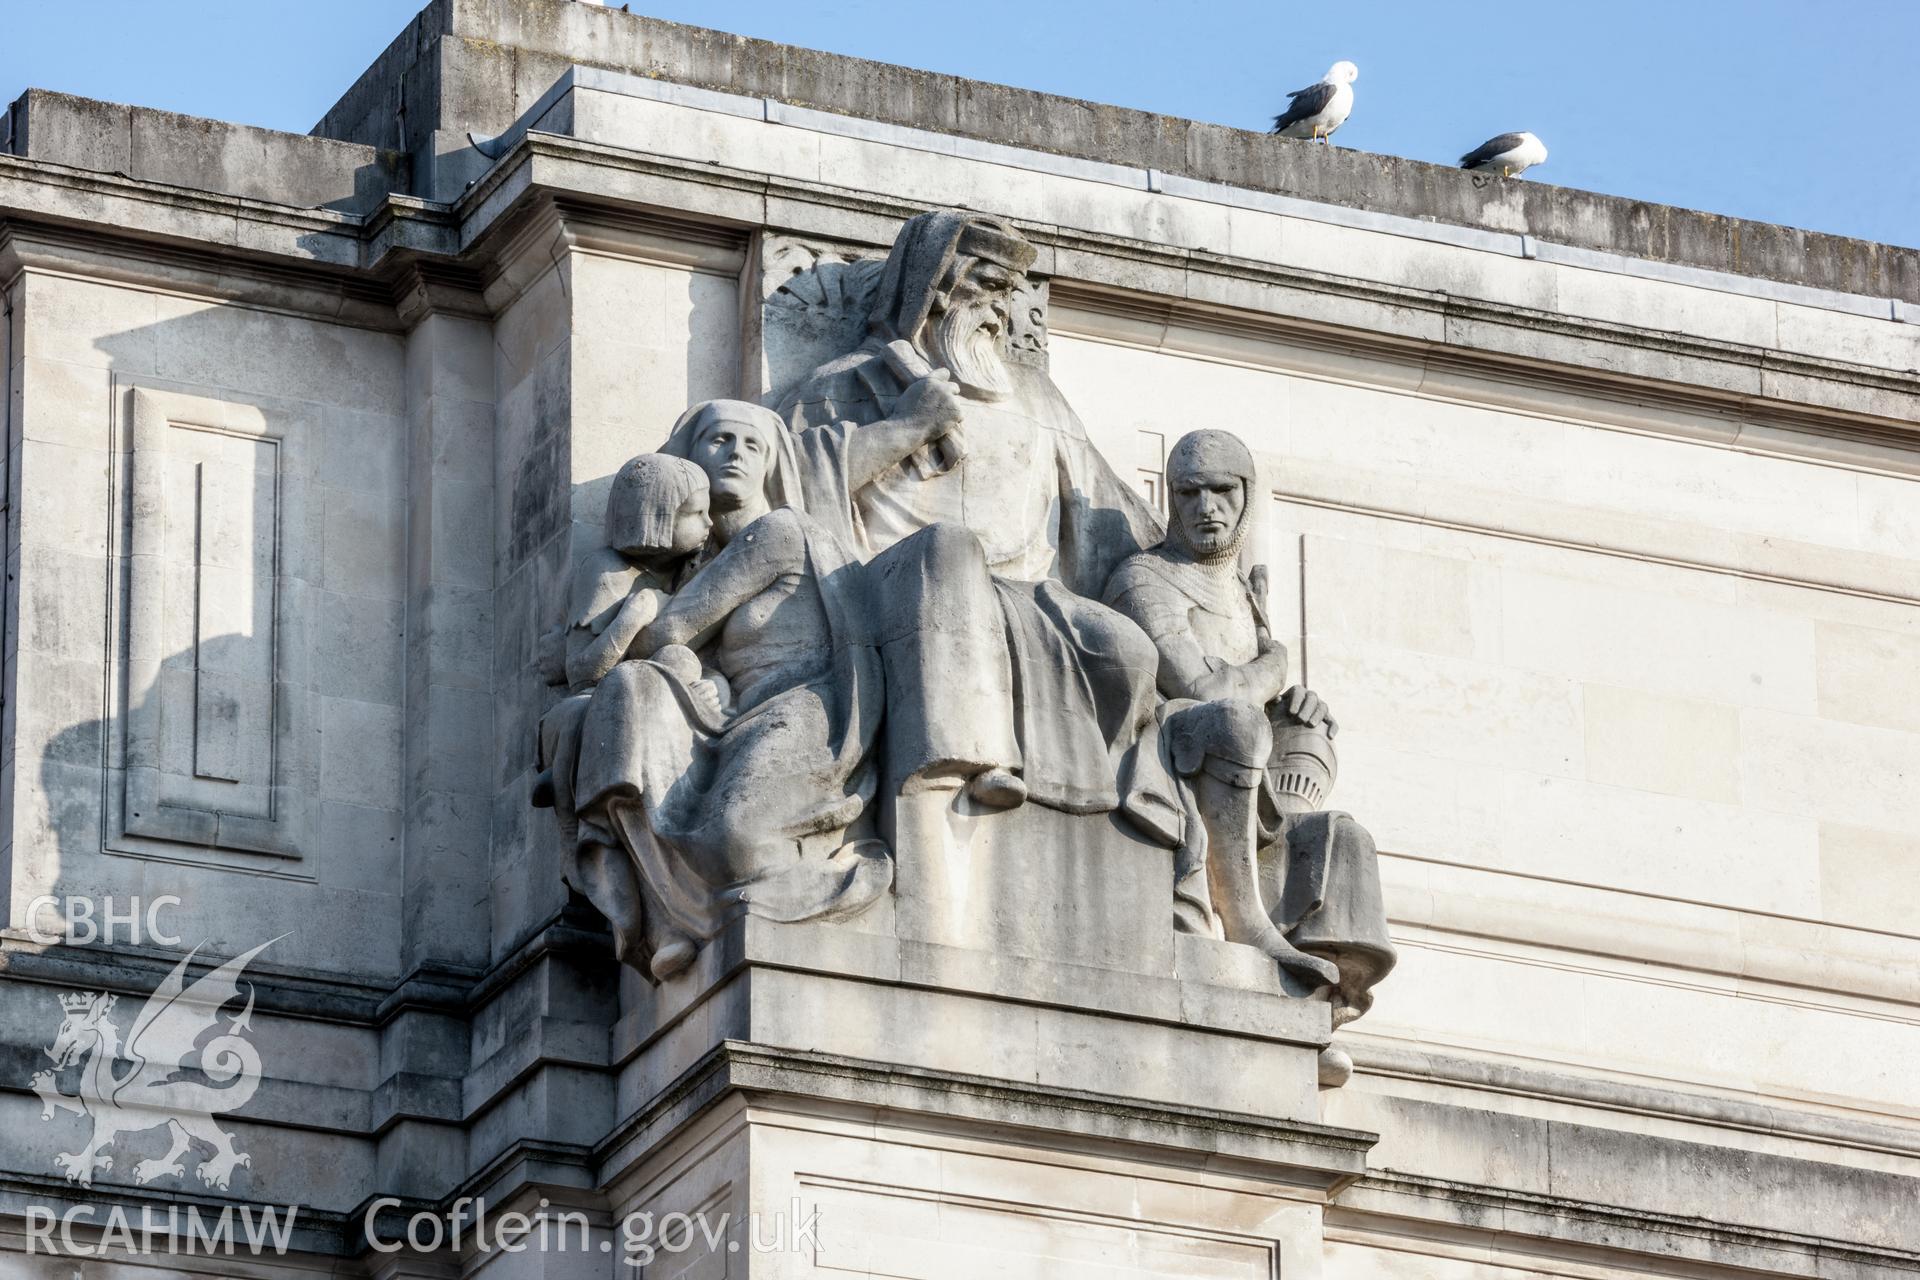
1003	675
1274	870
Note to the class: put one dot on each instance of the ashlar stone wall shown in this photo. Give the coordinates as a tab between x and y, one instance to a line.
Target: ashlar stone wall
211	540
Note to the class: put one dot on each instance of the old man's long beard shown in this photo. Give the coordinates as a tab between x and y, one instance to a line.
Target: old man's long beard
963	345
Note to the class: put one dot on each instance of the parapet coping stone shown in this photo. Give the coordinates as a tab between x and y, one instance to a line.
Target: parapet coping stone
219	157
458	62
1506	244
1145	179
713	70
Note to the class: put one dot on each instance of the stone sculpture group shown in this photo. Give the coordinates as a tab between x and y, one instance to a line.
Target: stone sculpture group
917	573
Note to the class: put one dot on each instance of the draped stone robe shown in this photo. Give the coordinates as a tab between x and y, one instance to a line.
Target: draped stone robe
995	654
749	807
685	817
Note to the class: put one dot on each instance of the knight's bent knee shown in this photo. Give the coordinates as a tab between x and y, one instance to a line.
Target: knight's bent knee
1132	646
1230	731
1244	733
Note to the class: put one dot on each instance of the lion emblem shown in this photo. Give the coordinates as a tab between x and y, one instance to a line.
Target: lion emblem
149	1093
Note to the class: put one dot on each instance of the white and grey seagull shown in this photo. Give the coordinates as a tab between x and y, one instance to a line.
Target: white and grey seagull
1320	108
1511	153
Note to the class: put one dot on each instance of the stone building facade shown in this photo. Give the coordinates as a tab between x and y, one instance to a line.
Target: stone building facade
1596	523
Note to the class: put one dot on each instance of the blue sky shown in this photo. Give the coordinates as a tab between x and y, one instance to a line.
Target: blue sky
1787	112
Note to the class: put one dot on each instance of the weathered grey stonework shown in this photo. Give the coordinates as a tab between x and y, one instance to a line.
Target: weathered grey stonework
1588	525
887	574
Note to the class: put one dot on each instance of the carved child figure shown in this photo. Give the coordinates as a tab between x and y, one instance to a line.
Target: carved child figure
1277	873
658	514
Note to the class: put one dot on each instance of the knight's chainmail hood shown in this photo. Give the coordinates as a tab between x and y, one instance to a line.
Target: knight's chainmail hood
1213	580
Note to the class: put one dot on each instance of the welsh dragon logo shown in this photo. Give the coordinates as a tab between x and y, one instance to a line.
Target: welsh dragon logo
165	1035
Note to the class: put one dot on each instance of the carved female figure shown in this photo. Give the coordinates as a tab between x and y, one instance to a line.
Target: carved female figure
696	801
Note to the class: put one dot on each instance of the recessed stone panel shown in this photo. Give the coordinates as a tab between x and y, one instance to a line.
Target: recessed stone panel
204	719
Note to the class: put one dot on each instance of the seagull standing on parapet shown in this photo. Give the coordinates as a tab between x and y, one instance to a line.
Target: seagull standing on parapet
1320	108
1511	153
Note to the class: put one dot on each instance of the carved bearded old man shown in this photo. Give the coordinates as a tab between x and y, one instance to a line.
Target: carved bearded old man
987	544
1273	870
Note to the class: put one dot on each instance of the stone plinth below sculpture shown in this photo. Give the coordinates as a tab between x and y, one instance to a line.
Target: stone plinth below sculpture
949	975
966	1109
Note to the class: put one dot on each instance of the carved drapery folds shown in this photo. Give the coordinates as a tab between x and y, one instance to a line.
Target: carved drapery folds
918	573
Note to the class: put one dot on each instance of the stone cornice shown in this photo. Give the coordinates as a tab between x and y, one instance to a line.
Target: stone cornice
1135	279
193	269
1312	1156
432	286
1380	1057
300	260
1495	1226
1723	414
1199	312
545	226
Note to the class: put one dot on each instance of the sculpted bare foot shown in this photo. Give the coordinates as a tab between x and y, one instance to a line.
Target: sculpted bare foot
997	789
673	956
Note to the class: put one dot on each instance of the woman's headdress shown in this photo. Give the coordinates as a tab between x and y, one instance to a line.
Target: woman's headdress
783	465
